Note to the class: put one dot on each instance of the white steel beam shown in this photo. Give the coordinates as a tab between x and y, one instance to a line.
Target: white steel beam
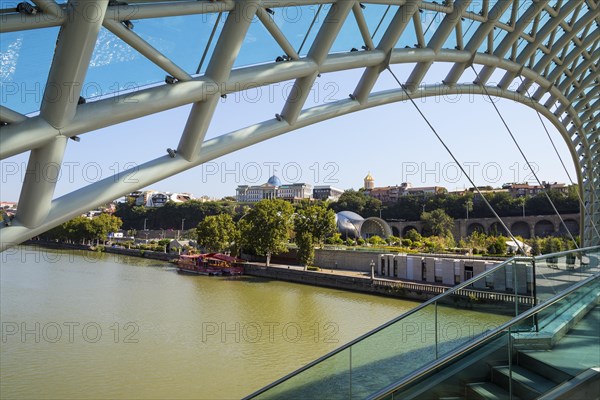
437	41
226	51
511	38
75	45
318	53
10	116
389	39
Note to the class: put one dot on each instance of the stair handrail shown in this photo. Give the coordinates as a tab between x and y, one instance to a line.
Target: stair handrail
487	336
421	306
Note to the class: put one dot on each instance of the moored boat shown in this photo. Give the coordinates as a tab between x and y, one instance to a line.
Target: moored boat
210	264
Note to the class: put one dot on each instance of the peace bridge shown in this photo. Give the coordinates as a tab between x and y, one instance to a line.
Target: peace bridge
542	54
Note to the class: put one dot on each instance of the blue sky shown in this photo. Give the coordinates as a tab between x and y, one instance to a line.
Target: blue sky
392	142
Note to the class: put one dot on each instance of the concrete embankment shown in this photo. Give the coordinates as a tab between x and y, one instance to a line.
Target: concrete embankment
344	280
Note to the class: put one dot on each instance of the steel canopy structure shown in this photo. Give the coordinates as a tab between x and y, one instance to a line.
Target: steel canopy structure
545	53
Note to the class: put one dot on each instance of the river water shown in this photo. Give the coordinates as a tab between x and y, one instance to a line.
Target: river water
87	325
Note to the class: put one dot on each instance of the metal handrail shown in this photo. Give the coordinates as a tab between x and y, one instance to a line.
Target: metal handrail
421	372
566	252
405	315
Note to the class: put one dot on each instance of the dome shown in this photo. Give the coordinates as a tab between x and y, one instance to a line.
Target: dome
348	223
369	177
274	181
349	215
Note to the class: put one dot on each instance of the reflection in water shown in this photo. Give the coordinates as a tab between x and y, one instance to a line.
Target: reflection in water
88	325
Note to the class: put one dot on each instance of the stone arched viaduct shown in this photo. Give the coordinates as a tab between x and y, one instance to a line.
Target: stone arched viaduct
526	227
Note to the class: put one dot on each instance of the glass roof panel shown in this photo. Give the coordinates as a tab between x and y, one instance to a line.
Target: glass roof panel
469	28
181	39
408	37
295	22
374	13
349	36
25	59
450	42
117	67
380	17
431	20
258	47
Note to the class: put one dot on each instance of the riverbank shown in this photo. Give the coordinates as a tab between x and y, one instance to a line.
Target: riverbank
153	255
347	279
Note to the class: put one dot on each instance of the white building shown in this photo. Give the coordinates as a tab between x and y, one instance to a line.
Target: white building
152	198
273	189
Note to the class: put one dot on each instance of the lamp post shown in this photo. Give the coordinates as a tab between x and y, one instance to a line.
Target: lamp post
372	269
179	235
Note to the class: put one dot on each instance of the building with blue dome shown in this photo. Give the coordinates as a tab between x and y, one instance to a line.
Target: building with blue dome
274	189
274	181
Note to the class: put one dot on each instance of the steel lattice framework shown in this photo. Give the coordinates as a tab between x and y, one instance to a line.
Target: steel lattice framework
547	51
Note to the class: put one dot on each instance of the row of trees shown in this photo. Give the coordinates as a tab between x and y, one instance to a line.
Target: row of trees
84	230
171	214
267	229
411	207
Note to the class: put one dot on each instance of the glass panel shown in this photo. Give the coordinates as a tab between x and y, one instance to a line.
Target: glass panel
349	36
469	29
450	42
25	59
295	22
258	46
393	353
116	67
374	13
328	379
464	375
431	20
181	39
379	20
556	273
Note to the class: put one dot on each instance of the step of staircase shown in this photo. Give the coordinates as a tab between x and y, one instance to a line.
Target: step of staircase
525	383
487	391
548	371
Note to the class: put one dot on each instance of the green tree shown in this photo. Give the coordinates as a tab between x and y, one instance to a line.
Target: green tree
393	240
317	220
413	235
306	248
312	224
497	245
104	224
336	238
552	245
358	202
437	223
376	240
218	233
266	228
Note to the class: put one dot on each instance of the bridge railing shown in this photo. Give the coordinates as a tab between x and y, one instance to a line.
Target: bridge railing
396	349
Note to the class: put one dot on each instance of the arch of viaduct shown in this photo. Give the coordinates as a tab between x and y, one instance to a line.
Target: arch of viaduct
526	227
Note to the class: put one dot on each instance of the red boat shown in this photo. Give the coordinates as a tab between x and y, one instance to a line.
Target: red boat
210	264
